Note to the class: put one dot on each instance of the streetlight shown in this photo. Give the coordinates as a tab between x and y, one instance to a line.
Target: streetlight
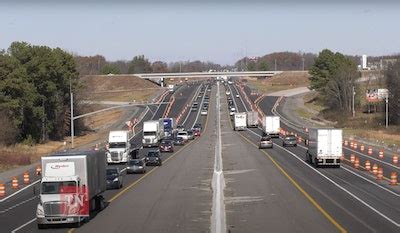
387	110
352	104
72	114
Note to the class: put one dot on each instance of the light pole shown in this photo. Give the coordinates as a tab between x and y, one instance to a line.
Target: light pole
352	103
72	114
387	111
72	120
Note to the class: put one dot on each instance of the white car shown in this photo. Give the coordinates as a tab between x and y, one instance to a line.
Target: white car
183	134
237	95
227	92
231	113
233	109
203	112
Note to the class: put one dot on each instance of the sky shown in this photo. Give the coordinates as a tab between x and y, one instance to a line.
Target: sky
217	31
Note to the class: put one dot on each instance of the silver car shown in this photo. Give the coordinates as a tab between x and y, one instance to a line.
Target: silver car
265	142
136	166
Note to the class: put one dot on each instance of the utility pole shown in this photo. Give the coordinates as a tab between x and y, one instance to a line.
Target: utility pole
275	65
302	59
352	104
72	120
72	113
387	111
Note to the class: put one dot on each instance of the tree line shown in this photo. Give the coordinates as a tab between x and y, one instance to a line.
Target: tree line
89	65
35	83
334	76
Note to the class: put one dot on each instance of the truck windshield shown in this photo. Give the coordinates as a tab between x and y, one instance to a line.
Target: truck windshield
117	144
59	187
152	133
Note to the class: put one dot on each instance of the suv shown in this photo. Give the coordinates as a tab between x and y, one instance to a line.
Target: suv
153	158
265	142
289	140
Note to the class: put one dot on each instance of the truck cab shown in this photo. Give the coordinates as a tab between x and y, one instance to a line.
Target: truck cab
152	133
118	147
71	187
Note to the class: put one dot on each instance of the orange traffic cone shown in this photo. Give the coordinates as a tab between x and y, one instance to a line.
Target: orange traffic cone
369	150
14	183
381	154
375	169
367	165
379	176
2	190
26	177
393	178
395	159
38	170
356	163
352	158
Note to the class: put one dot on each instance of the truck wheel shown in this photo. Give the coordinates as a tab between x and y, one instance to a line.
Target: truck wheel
316	163
41	226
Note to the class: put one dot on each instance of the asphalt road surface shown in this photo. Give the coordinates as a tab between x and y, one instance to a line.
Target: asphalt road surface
269	190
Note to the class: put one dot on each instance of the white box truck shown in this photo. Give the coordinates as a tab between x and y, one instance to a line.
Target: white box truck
153	132
239	121
324	146
119	147
252	119
271	126
71	186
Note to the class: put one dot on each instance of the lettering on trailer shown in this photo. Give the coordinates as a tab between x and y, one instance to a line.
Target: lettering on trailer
60	169
74	201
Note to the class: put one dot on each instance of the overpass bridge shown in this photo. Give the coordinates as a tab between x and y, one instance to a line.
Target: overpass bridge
159	77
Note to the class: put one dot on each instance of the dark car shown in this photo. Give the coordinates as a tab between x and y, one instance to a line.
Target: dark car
197	126
190	134
114	178
289	140
265	142
180	127
166	146
153	158
179	141
136	166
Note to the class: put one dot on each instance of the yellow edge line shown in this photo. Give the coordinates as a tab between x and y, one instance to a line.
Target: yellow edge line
312	200
148	173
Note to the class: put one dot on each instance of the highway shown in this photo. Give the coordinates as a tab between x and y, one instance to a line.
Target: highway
222	182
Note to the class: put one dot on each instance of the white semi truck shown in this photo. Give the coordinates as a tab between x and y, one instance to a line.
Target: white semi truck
153	132
271	126
71	186
324	146
252	119
119	147
239	121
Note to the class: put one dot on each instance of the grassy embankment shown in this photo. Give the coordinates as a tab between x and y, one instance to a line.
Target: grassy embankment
99	88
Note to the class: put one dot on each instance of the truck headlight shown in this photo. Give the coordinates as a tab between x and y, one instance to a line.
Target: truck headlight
115	179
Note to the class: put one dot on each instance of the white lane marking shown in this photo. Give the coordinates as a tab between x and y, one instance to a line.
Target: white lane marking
16	205
337	185
24	225
240	97
386	189
24	188
201	104
218	222
191	102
